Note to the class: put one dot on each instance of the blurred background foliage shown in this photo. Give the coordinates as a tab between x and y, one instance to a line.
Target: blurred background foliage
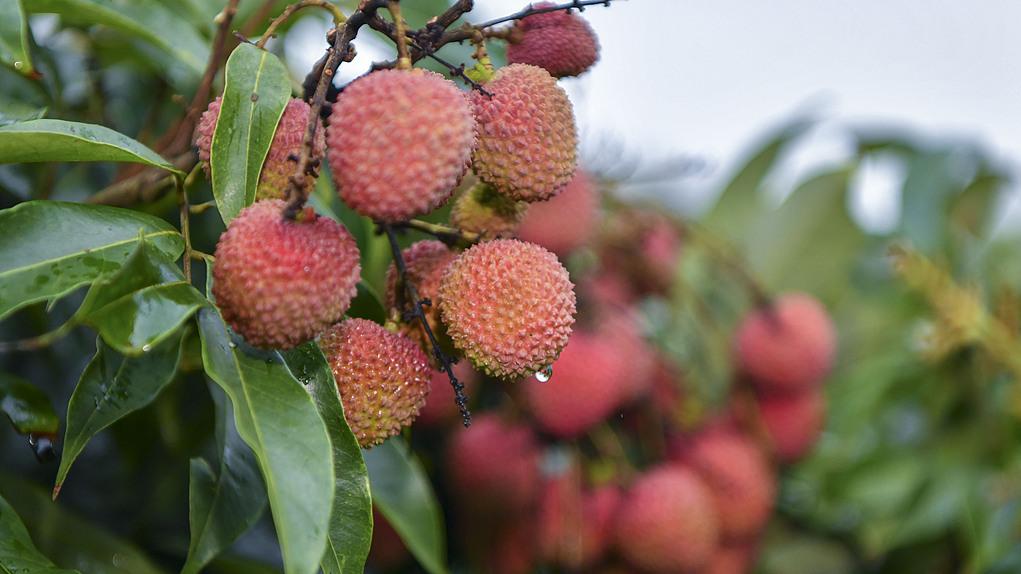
918	470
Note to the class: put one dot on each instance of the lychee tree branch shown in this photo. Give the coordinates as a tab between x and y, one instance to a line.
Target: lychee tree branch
291	9
446	234
578	5
416	302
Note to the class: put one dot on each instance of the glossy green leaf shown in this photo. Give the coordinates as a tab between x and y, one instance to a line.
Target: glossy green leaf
142	320
14	111
257	88
402	493
226	502
145	19
27	407
367	304
60	140
112	387
14	37
277	418
49	248
17	552
351	520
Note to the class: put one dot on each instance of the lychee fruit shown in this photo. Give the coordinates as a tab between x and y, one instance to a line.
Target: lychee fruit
494	466
440	408
621	328
382	377
787	346
388	552
738	476
526	134
667	522
566	221
399	142
561	42
732	558
585	389
484	211
278	166
793	422
508	306
575	525
425	262
644	246
280	282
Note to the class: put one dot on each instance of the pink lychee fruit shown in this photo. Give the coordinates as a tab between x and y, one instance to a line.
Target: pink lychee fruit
566	221
561	42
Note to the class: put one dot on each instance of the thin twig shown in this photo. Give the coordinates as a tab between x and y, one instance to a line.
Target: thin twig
578	5
144	187
338	17
446	234
446	363
182	202
400	32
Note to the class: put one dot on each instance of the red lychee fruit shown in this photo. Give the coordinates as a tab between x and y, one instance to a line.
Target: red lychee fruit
732	558
668	393
622	329
494	466
440	408
426	262
388	552
561	42
643	246
280	282
383	378
738	476
399	142
667	522
484	211
585	389
575	525
793	422
526	134
277	167
508	306
788	346
566	221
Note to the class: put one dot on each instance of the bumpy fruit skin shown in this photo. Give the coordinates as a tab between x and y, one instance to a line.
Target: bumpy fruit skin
484	211
793	422
508	306
526	134
399	142
382	377
667	523
279	282
565	222
788	346
494	466
426	262
440	408
562	43
586	387
740	479
277	168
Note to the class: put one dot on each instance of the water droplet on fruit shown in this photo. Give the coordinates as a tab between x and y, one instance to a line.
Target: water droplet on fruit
545	374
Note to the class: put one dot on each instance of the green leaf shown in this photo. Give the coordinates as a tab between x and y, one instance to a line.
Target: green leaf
255	93
402	493
146	19
14	37
350	534
14	111
112	387
28	407
226	502
49	248
367	304
17	552
277	418
60	140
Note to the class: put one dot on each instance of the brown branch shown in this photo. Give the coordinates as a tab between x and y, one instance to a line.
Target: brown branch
290	10
578	5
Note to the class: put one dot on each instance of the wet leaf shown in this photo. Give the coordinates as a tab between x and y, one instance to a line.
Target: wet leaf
27	407
17	552
14	37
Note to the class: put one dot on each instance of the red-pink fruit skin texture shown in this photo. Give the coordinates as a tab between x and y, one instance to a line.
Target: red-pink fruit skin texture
278	282
788	346
399	142
440	408
493	466
485	211
277	167
382	377
566	221
793	422
527	138
508	306
740	479
667	522
560	42
586	387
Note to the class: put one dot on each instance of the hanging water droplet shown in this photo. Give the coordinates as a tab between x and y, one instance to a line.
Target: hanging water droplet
19	65
544	374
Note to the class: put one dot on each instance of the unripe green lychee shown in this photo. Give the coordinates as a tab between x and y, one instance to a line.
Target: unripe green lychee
278	166
494	466
566	221
280	282
788	346
561	42
484	211
793	422
527	137
667	523
508	306
383	378
399	142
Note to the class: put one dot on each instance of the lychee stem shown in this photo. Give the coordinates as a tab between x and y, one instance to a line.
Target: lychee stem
400	35
446	363
338	17
446	234
185	211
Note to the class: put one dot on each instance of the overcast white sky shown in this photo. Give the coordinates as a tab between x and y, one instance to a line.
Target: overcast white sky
709	78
